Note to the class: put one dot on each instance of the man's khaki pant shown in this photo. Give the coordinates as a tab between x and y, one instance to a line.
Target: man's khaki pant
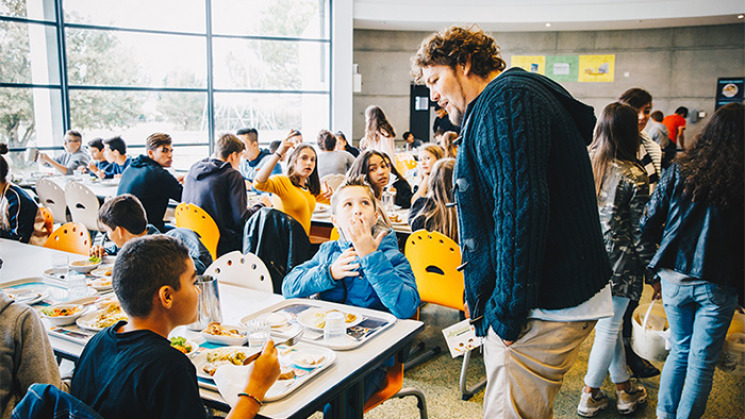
523	379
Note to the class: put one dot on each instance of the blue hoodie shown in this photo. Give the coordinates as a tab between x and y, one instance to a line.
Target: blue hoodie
386	281
217	188
152	185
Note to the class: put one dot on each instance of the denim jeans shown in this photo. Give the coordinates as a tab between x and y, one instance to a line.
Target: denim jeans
699	316
607	353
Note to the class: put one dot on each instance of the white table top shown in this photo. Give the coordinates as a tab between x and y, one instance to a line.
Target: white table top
22	261
402	226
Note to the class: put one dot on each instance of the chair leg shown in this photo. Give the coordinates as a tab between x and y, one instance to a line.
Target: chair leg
421	402
466	391
417	357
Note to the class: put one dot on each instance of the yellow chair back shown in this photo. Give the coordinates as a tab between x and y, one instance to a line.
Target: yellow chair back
199	221
70	237
334	234
434	258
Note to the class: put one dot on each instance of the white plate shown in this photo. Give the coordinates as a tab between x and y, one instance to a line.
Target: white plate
322	208
101	270
308	318
310	358
98	284
226	340
87	321
322	216
200	359
31	295
277	320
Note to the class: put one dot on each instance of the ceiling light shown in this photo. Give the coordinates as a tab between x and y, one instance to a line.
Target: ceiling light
548	25
740	16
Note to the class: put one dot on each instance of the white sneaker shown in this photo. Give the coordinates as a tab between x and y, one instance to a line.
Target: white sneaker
627	402
590	406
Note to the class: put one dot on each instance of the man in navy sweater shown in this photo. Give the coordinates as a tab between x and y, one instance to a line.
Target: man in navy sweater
216	186
536	271
148	180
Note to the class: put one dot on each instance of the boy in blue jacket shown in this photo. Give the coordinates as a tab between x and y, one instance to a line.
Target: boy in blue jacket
363	268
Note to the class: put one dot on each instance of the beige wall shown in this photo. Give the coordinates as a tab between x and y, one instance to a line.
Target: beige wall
678	66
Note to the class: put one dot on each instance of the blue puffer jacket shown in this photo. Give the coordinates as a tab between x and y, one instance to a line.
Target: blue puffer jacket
528	216
386	281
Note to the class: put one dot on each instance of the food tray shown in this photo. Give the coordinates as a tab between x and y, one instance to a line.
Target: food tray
282	388
57	291
375	321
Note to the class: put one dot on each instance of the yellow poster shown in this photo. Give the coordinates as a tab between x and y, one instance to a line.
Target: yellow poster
532	63
596	68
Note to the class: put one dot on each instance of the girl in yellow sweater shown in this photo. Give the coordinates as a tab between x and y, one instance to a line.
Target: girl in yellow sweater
300	188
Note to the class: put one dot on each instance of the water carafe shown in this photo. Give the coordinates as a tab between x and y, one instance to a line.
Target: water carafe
209	303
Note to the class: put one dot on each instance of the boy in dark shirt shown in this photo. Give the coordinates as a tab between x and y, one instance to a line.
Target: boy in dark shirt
148	180
130	370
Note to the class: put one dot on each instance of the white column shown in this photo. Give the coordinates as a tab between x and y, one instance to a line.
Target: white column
342	49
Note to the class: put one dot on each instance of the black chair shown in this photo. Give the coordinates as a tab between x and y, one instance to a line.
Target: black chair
278	240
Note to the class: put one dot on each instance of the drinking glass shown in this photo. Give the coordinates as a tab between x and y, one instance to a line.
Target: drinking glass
258	332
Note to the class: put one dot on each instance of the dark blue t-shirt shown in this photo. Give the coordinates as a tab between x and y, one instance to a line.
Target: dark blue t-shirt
136	375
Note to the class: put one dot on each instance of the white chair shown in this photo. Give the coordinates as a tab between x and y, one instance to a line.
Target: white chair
247	271
334	180
83	205
52	197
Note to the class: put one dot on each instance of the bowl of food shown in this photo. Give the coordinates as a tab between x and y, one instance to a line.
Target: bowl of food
224	334
85	265
184	345
62	314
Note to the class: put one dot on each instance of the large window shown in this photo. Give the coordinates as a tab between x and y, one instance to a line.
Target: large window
190	68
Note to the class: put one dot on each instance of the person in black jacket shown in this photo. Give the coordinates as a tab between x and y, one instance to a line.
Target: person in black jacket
20	218
696	216
376	168
148	180
216	186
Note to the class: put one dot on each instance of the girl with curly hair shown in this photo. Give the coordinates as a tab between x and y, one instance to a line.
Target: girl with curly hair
696	216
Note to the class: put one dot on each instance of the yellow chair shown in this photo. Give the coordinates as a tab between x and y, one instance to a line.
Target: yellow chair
394	388
434	259
199	221
404	162
48	218
70	237
334	234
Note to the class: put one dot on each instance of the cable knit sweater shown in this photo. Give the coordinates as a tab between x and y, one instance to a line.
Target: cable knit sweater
530	232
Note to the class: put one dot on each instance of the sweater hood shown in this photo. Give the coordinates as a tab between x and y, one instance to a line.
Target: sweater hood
208	167
582	114
5	302
143	161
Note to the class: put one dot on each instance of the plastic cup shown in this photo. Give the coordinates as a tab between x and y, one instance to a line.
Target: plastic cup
335	329
258	332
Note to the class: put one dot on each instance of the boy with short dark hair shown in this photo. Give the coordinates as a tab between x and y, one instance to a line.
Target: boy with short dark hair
215	185
148	180
363	268
115	151
130	370
123	219
98	163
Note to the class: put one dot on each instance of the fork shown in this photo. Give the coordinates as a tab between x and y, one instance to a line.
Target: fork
292	341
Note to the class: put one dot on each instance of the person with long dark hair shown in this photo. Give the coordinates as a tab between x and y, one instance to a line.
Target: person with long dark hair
378	171
300	188
379	133
650	156
20	217
622	189
696	216
431	211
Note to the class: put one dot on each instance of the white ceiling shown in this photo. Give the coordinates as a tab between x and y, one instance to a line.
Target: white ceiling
533	15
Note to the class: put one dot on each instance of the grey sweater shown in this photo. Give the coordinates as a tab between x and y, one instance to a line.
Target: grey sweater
26	355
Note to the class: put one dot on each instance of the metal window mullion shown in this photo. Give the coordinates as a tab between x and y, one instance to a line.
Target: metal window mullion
62	57
210	77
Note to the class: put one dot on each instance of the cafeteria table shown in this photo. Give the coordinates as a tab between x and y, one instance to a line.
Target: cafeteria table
340	382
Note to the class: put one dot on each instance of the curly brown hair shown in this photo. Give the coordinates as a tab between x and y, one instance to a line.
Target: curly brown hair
713	167
456	46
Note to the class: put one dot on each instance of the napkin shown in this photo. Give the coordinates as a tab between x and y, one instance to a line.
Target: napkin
231	380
